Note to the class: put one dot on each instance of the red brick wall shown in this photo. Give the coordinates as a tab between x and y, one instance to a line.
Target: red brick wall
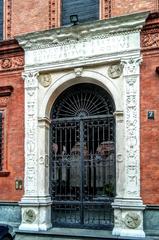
150	102
29	16
13	168
130	6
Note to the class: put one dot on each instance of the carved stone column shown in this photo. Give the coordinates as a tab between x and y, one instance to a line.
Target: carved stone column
128	208
36	212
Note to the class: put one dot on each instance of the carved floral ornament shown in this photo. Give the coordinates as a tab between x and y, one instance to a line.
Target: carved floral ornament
150	39
11	63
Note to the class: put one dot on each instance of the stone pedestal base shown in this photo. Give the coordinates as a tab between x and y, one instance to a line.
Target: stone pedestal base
36	214
128	218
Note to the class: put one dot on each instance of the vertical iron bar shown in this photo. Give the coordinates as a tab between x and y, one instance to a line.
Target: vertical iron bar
81	169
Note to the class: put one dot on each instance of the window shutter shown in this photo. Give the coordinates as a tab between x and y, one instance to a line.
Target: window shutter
87	10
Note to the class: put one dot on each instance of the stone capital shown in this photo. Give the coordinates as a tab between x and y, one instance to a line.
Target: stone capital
131	65
31	79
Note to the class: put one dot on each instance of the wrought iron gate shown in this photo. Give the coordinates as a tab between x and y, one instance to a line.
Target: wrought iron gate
83	165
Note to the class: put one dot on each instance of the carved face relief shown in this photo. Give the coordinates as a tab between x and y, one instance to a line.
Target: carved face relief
115	71
45	80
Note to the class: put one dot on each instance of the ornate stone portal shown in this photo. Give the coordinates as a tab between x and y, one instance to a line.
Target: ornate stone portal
105	53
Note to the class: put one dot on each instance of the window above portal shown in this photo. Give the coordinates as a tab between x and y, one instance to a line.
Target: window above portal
87	10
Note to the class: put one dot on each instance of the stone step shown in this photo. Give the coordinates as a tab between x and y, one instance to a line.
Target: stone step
71	234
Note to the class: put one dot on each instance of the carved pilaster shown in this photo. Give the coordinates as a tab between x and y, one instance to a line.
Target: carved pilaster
36	204
132	108
128	209
31	108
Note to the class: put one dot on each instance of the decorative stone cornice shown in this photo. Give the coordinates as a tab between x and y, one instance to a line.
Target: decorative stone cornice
73	34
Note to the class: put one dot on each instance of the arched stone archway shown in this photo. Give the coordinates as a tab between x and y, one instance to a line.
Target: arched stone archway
103	55
85	76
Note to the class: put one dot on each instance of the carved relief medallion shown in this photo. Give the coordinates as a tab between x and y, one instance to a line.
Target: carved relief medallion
29	216
6	63
132	220
45	80
115	71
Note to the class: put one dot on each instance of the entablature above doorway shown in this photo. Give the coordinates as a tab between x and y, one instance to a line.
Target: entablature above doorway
88	43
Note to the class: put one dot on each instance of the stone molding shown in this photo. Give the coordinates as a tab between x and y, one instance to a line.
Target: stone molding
98	29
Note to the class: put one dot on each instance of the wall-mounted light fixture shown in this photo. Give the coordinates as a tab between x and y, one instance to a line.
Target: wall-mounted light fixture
74	19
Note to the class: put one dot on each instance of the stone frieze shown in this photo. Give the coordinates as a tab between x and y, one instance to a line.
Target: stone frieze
11	63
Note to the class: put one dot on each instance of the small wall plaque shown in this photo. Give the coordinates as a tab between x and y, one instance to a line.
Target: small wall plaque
151	115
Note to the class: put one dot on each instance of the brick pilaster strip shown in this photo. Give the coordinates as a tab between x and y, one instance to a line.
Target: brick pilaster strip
106	9
8	19
54	13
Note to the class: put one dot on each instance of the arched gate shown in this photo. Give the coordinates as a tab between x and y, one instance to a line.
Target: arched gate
82	176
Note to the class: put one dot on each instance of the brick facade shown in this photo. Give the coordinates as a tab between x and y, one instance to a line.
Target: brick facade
150	102
12	104
29	16
126	7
